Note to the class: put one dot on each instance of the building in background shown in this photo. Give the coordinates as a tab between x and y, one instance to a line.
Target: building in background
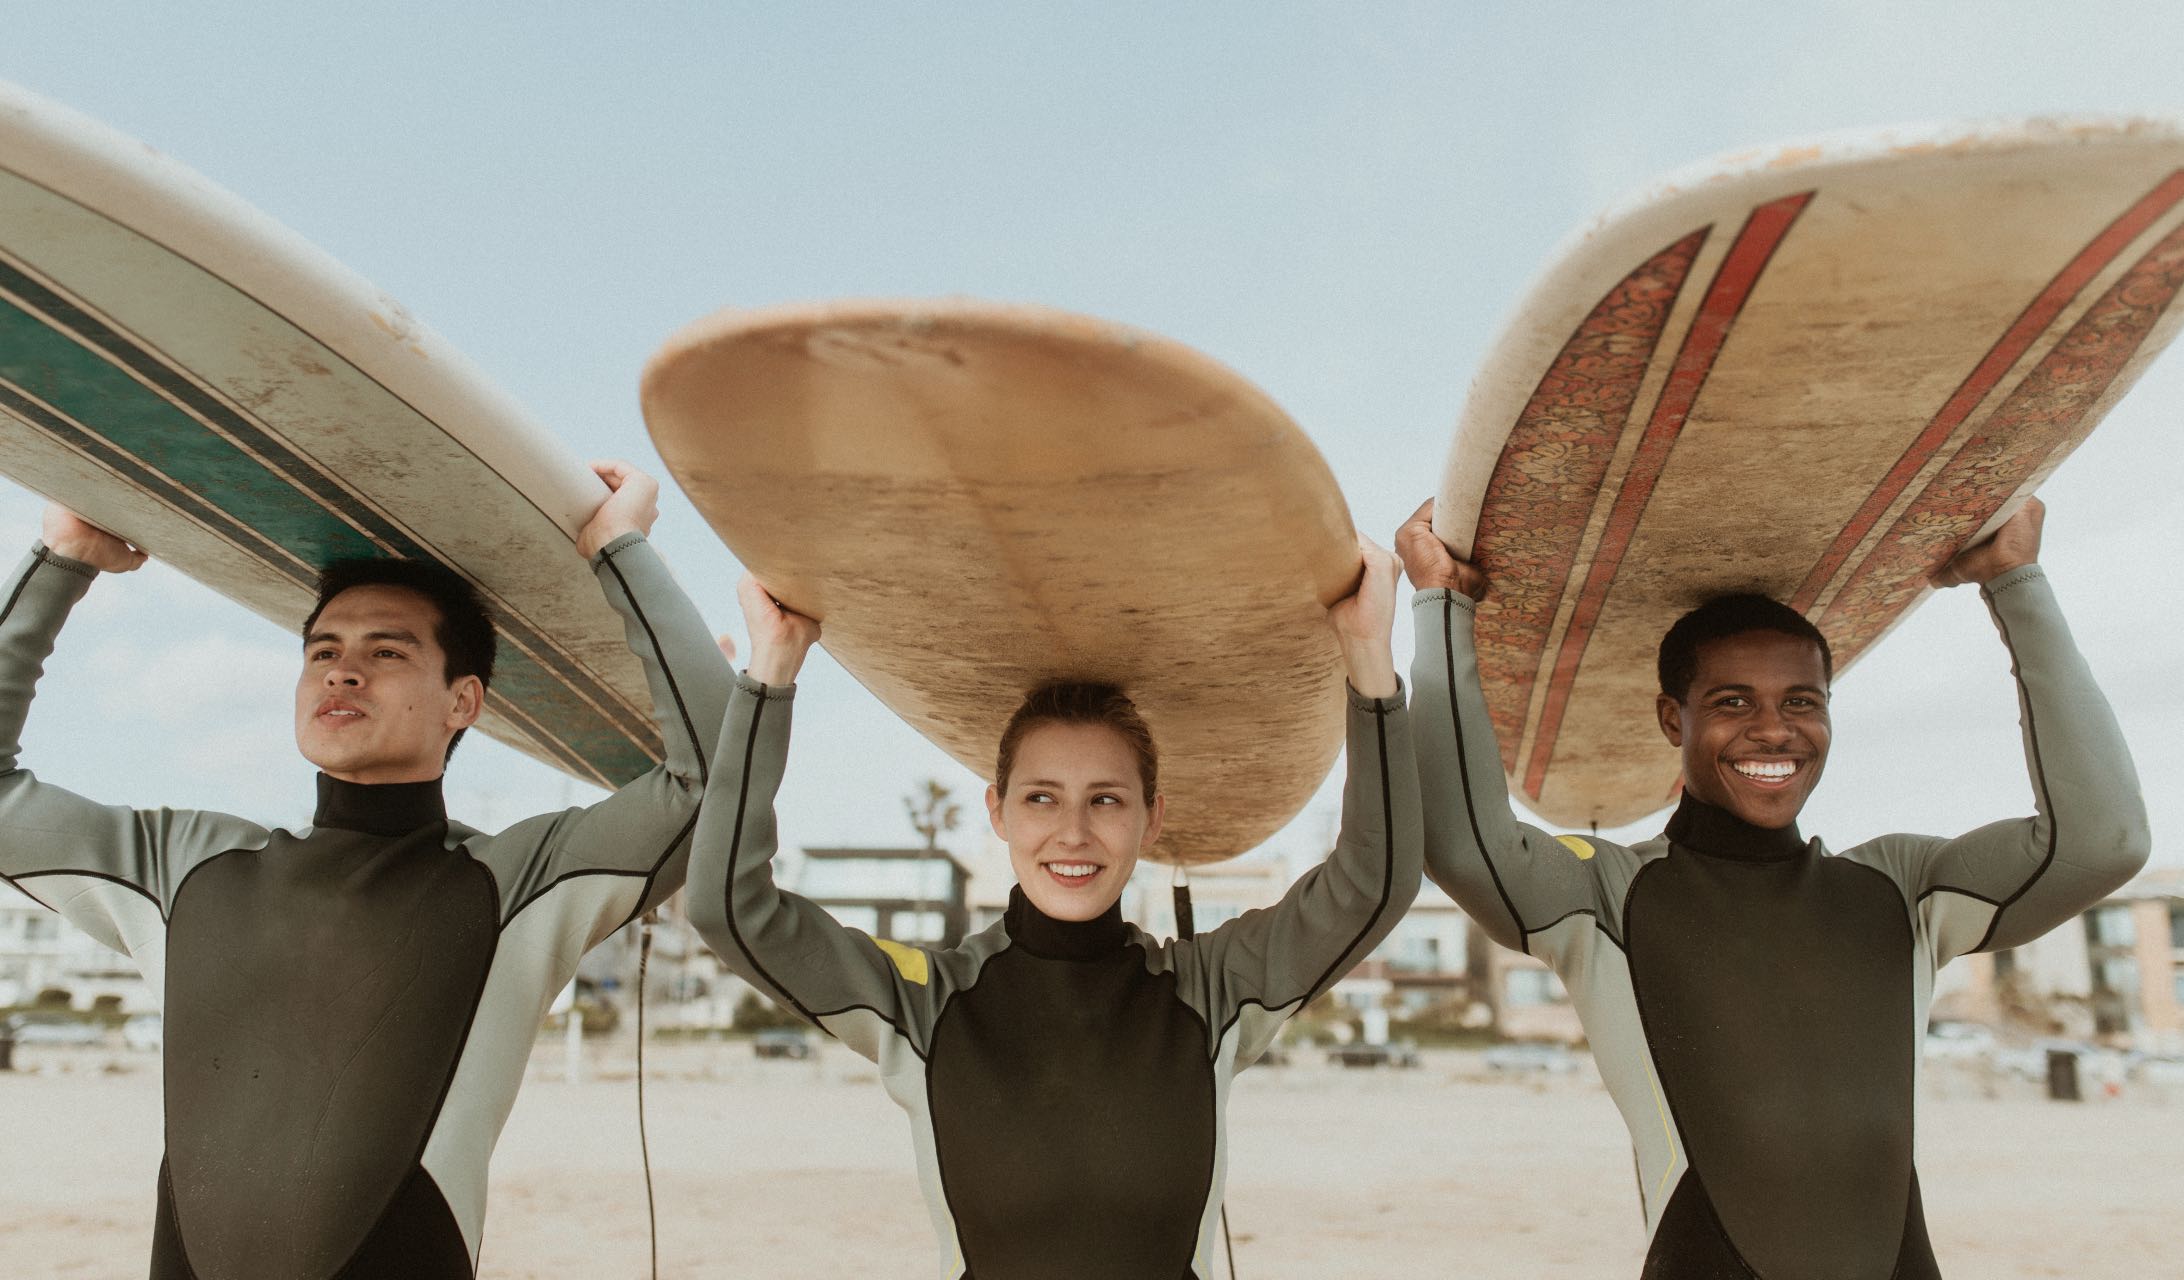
916	896
40	953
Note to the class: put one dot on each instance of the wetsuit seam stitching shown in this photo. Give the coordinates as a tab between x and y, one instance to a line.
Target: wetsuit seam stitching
2045	795
1387	863
876	1012
22	584
107	876
1598	924
1463	772
667	670
1960	891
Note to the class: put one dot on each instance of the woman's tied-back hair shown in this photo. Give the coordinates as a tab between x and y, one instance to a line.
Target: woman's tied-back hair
1074	703
1726	616
464	631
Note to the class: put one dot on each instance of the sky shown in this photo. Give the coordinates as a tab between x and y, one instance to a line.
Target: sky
1342	202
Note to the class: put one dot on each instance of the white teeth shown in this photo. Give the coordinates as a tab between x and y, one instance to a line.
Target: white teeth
1765	770
1073	868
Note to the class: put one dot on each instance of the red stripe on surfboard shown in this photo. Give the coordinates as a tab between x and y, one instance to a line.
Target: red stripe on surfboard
1738	274
2005	353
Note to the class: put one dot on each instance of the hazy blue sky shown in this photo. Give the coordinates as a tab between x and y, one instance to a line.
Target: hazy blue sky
1341	201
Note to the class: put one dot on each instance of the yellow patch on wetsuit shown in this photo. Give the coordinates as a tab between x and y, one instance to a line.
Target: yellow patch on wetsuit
1576	845
909	961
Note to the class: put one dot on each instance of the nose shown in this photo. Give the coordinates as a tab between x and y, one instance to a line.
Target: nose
1076	829
1770	728
342	675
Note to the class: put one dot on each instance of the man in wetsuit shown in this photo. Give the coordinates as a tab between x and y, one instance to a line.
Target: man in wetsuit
1754	1003
350	1006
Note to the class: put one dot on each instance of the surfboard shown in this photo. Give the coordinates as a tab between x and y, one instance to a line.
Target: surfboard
184	371
975	499
1815	370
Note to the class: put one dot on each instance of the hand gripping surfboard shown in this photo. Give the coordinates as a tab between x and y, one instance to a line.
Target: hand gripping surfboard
1815	371
976	499
182	370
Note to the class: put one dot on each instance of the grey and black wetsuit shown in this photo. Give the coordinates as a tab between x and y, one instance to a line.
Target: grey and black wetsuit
350	1007
1755	1004
1066	1081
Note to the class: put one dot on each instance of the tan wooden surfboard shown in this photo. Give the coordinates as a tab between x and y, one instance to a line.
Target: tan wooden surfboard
1814	370
976	499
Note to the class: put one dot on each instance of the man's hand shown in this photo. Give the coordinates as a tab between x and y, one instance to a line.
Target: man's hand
632	504
68	534
1364	620
779	638
1429	563
2013	546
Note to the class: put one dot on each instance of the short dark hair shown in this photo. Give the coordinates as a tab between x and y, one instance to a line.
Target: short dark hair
1720	618
1081	703
465	629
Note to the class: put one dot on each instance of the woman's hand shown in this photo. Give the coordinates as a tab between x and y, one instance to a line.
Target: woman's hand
631	505
1429	562
1364	622
779	638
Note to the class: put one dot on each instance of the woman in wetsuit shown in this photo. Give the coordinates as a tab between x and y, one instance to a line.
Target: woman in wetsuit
1066	1075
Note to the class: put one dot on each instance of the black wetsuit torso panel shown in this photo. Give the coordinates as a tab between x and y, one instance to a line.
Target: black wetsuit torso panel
1067	1054
1800	1141
302	1082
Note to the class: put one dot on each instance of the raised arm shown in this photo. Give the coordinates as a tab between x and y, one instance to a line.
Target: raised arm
110	869
1265	965
1512	878
631	848
2009	882
841	979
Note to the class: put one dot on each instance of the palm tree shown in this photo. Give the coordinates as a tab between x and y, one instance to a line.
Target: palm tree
932	813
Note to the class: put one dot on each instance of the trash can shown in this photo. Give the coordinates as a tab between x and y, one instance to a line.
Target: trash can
2062	1075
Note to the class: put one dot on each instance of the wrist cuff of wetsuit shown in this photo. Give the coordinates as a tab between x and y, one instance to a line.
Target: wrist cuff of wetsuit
49	556
609	551
2017	577
1436	595
1360	702
760	689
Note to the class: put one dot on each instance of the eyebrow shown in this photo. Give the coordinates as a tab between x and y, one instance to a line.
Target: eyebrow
1745	688
403	637
1052	784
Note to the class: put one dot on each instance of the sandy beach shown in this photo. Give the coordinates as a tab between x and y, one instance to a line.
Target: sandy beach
802	1168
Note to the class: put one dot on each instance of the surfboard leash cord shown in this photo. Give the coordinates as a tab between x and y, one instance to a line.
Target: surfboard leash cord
644	1147
1186	926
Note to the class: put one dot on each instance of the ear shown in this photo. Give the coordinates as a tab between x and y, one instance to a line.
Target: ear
1153	815
1670	713
469	703
993	812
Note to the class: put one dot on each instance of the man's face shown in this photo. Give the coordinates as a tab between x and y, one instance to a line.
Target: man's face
1753	726
373	703
1075	818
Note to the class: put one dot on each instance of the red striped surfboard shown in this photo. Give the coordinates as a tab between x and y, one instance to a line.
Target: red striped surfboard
1815	370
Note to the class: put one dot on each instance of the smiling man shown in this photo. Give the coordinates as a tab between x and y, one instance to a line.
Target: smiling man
350	1005
1754	1002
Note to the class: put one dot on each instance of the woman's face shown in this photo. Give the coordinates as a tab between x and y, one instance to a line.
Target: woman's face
1075	818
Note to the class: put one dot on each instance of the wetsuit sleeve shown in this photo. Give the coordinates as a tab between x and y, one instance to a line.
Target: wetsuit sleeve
784	944
639	837
1266	964
1512	878
111	870
2009	882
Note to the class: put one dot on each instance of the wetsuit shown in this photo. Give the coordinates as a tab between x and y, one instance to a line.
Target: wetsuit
1755	1004
350	1006
1066	1081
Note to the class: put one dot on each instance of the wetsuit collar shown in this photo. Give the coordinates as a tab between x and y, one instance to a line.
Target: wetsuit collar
1700	826
1050	939
387	809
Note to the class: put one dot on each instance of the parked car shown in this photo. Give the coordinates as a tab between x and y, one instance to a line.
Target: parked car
782	1042
1400	1053
51	1028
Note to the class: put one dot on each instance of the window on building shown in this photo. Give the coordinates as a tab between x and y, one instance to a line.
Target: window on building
917	926
2176	926
2005	964
865	918
41	928
2179	992
2110	926
1529	988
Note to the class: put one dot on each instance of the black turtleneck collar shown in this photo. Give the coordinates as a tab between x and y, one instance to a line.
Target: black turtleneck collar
1722	834
1050	939
385	809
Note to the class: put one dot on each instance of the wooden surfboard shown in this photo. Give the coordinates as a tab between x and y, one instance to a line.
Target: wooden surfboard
1815	371
976	499
193	376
